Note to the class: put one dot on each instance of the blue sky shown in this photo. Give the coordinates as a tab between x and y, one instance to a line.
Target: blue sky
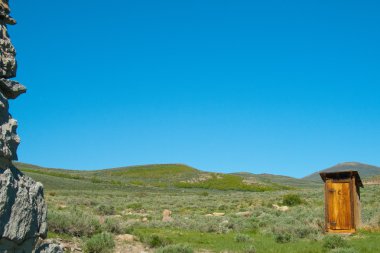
285	87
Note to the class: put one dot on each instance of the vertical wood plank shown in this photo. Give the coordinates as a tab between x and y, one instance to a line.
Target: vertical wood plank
327	214
339	206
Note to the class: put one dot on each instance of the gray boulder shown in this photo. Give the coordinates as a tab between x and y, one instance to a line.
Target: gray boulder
49	247
22	210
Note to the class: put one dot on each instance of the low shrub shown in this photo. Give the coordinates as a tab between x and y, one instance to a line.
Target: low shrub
175	248
95	180
375	221
242	238
73	222
344	250
204	194
222	207
291	200
333	242
304	231
156	241
283	237
114	226
105	210
134	206
100	243
210	225
250	249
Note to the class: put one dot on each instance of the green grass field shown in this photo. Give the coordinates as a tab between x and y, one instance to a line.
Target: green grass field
131	200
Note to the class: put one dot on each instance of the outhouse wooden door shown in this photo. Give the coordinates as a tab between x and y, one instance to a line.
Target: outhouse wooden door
339	205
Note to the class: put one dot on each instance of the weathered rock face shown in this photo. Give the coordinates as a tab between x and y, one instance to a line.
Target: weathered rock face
23	210
8	64
9	139
49	247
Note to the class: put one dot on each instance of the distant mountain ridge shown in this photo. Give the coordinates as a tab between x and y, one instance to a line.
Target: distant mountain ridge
365	170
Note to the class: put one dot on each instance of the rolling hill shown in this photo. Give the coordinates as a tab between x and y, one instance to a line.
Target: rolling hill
365	170
155	175
183	176
278	179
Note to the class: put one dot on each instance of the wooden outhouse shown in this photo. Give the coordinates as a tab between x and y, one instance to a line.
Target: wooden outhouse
342	201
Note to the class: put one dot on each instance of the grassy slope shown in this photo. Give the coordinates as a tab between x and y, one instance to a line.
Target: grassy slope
67	191
364	170
159	175
280	180
183	176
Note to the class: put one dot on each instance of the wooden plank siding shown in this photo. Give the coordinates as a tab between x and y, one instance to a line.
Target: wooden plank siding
339	205
342	202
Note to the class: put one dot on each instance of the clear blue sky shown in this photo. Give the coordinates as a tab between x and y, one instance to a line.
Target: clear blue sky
285	87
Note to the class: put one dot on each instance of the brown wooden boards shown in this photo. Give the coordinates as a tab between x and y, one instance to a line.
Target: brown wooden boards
339	205
342	201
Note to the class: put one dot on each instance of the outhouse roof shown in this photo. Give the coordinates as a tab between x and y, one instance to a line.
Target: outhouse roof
342	175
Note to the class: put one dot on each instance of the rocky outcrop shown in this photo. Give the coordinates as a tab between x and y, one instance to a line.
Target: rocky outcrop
11	89
49	247
23	210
